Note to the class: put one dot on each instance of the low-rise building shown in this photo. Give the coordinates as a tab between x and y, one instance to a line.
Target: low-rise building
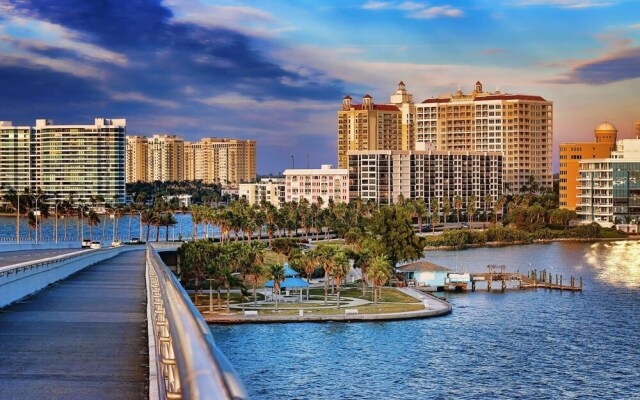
184	200
425	273
326	183
270	190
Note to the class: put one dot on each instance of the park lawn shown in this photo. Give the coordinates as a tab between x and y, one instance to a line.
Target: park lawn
368	309
389	295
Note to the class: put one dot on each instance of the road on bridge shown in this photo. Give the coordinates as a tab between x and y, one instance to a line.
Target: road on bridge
82	338
16	257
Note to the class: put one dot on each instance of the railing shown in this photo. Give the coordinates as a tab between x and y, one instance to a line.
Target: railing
188	363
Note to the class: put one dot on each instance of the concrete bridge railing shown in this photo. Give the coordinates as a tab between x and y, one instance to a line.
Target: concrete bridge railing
184	361
23	279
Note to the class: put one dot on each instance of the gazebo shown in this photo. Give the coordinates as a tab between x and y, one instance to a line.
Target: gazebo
291	281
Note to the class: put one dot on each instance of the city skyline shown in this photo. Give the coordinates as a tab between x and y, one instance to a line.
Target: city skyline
276	72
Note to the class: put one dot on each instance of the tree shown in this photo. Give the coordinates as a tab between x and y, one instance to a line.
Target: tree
229	279
340	269
323	254
148	217
309	263
446	209
472	207
498	206
487	204
92	220
457	203
390	226
435	216
379	273
276	273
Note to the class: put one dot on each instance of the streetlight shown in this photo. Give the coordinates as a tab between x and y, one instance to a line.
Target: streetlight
36	214
18	217
56	217
113	230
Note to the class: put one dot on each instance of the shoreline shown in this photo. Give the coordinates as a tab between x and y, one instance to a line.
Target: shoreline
434	307
537	241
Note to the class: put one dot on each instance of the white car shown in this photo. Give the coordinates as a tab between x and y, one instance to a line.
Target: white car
95	245
86	243
116	243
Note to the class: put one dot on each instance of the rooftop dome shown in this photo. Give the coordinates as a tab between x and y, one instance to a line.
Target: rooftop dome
605	126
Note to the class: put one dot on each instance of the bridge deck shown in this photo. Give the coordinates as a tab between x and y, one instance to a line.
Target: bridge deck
84	337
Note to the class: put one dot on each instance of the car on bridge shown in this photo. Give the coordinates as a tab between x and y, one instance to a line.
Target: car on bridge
86	243
95	245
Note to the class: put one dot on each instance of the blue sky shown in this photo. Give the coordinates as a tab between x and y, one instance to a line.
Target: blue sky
276	71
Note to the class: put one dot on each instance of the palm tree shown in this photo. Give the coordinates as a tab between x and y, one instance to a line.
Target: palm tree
435	216
148	217
379	272
276	272
487	203
309	262
457	203
92	220
362	261
229	279
498	206
168	219
324	254
446	209
472	207
340	269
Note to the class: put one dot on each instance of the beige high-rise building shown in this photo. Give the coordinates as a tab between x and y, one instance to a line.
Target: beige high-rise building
370	126
225	161
137	155
519	126
636	129
165	158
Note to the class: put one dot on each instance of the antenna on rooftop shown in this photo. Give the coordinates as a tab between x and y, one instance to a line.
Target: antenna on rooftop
293	162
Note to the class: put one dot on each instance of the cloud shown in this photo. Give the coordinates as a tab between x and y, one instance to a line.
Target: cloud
436	12
415	9
239	101
619	66
493	51
636	26
564	3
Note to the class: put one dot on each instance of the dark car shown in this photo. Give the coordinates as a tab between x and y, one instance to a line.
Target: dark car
427	228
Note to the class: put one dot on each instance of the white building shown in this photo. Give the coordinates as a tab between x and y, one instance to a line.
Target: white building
184	200
271	190
609	188
384	175
325	183
63	160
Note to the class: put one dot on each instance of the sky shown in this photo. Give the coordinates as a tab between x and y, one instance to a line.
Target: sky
276	70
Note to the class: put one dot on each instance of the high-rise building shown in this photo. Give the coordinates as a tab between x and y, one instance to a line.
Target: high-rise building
636	129
83	160
571	154
137	155
62	160
370	126
165	158
326	183
384	175
609	188
16	162
225	161
519	126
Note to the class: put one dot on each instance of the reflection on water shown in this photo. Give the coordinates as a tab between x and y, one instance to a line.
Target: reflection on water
616	263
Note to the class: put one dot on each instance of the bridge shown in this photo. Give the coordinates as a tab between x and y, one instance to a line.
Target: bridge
104	324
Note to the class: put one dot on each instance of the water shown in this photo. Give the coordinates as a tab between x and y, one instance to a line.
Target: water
520	344
103	231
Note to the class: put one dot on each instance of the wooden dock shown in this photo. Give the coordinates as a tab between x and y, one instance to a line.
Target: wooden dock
533	280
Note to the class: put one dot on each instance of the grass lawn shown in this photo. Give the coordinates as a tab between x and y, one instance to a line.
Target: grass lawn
382	308
389	295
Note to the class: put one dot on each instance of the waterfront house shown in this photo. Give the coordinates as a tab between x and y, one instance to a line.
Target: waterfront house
425	273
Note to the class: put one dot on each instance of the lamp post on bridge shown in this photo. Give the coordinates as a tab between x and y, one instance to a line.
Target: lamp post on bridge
36	214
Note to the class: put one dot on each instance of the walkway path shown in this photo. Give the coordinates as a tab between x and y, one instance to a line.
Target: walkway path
17	257
82	338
